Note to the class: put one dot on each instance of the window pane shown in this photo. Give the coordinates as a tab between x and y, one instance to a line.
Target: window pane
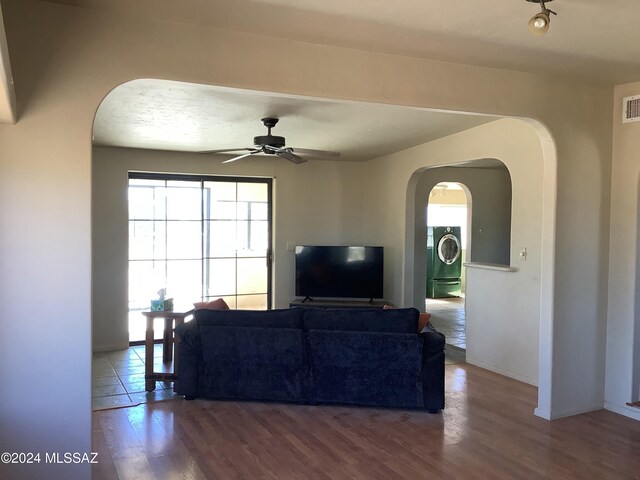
220	277
259	211
146	240
146	202
184	281
259	237
242	210
242	233
230	300
252	275
251	239
184	202
221	238
252	192
145	182
220	200
184	240
252	302
145	279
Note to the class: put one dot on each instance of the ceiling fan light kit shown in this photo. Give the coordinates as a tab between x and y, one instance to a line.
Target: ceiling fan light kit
539	23
273	145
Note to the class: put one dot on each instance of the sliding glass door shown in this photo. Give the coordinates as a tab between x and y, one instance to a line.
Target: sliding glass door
200	238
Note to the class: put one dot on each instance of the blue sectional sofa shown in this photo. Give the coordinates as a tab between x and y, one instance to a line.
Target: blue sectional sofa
344	356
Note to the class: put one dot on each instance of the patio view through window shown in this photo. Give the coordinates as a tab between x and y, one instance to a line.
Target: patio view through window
200	238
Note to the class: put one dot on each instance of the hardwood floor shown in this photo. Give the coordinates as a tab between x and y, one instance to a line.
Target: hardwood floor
488	431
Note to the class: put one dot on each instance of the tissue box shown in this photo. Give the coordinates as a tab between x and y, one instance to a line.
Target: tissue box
162	305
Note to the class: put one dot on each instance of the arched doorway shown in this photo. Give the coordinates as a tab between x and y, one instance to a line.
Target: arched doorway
448	240
509	311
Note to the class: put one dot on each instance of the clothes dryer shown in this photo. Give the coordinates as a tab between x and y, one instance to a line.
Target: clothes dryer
444	262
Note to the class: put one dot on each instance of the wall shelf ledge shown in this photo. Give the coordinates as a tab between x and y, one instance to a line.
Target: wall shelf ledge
490	266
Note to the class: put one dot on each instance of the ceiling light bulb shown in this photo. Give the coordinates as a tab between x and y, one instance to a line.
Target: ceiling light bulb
539	23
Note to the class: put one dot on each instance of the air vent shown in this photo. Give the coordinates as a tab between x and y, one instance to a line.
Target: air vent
631	109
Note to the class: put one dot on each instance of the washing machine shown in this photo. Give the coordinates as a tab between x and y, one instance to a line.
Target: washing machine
444	262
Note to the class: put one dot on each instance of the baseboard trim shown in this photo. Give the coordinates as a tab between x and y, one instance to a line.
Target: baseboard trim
625	410
555	415
500	371
545	414
110	348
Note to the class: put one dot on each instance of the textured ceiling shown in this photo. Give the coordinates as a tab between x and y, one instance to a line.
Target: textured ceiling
589	38
167	115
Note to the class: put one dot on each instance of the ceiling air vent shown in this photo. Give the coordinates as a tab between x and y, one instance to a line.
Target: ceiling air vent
631	109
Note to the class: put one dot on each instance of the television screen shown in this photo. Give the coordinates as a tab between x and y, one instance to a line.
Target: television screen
339	271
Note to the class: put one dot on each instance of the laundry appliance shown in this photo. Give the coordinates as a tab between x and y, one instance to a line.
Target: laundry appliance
444	262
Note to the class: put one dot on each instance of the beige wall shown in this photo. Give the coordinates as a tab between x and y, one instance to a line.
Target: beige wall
623	325
66	59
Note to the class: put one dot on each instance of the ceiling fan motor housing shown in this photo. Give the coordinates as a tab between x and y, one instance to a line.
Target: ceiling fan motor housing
271	140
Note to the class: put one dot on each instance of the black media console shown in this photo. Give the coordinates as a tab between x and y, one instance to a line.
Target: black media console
311	303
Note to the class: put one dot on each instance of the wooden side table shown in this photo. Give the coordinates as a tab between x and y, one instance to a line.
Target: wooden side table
172	319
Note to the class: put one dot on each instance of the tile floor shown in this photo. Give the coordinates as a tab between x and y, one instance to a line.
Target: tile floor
118	378
448	316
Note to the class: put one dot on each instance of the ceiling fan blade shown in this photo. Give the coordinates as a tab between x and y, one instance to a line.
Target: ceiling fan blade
242	156
287	154
226	150
319	153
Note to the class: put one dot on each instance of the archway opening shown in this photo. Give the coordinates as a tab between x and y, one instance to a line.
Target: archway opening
448	219
474	198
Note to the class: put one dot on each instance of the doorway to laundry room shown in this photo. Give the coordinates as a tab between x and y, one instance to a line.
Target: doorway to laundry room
447	249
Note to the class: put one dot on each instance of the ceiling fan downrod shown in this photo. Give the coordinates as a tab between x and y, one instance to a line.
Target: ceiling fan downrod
274	141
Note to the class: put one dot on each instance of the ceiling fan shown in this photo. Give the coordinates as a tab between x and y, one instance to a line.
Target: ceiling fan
273	145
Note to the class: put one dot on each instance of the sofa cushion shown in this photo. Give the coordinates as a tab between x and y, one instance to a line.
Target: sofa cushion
366	368
253	363
283	318
399	320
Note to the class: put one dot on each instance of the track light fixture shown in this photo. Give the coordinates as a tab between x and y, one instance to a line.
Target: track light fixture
539	23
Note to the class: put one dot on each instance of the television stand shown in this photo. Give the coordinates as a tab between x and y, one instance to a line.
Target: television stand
327	303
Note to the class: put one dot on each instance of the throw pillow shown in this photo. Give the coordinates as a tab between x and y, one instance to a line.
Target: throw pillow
423	321
217	304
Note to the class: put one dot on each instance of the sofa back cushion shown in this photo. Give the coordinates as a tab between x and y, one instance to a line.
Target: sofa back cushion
366	368
283	318
399	320
253	363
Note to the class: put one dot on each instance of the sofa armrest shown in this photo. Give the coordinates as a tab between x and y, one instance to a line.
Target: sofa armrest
189	333
433	340
432	368
189	358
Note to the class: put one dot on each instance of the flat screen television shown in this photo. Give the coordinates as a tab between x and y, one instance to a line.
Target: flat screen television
339	271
